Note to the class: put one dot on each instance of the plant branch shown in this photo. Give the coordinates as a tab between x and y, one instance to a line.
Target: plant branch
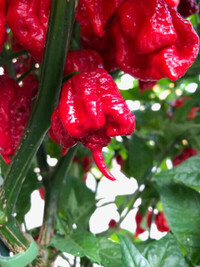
57	42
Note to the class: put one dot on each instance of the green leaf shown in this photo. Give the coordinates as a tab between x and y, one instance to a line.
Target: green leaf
24	201
181	206
77	203
164	253
140	158
110	253
131	257
79	244
188	172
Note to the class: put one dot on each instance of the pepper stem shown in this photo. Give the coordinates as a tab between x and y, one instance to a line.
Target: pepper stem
99	160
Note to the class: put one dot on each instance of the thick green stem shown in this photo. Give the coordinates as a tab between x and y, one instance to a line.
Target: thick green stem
58	37
52	198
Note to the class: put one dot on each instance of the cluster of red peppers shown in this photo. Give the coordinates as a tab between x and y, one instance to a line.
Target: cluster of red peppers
148	39
159	220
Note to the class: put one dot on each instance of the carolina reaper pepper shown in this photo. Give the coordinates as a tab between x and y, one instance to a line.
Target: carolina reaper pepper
94	14
152	40
91	111
82	60
28	21
15	104
2	22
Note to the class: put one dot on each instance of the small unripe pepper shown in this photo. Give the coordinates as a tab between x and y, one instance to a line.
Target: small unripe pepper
28	21
15	105
185	154
153	41
91	111
2	22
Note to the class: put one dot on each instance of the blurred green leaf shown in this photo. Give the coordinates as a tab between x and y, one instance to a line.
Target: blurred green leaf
77	203
110	253
164	252
79	244
188	172
140	158
24	201
131	257
181	206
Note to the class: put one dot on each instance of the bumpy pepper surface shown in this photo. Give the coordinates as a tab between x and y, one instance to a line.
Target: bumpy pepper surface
153	41
185	154
82	60
187	8
94	14
15	104
28	21
91	111
2	22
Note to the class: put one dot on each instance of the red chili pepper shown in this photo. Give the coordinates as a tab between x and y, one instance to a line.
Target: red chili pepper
179	102
139	229
14	113
149	218
185	154
153	41
82	60
192	113
119	160
112	223
91	111
104	45
187	8
145	85
161	222
2	22
94	14
42	193
28	21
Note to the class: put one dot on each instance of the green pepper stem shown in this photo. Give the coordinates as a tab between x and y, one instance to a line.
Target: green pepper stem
57	42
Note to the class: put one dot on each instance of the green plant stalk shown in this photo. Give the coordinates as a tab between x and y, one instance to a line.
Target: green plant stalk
52	197
57	42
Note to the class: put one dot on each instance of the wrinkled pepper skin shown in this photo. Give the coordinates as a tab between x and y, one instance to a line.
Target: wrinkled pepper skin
157	44
2	23
82	60
91	111
28	21
187	8
14	114
184	155
94	14
103	45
